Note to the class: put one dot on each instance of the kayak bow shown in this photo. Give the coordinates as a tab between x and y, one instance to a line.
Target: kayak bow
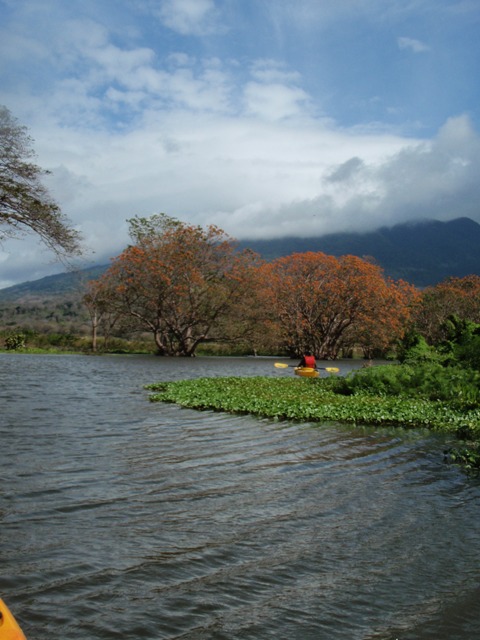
9	629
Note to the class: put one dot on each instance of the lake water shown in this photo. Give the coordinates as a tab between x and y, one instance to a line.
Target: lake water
122	518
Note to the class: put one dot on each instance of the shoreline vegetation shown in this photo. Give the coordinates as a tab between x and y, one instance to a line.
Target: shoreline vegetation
366	397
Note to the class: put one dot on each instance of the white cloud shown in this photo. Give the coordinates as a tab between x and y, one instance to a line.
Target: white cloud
190	17
274	101
273	93
436	179
254	177
271	71
412	44
237	140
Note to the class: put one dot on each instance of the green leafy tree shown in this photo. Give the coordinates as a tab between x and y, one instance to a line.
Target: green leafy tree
25	204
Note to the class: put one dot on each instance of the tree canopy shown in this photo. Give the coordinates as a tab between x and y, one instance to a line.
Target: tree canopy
187	285
181	283
324	303
25	204
453	296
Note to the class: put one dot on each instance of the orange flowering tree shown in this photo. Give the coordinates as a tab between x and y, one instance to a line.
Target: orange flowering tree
454	296
324	303
180	283
377	331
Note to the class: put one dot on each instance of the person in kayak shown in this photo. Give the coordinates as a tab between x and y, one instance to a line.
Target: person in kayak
308	360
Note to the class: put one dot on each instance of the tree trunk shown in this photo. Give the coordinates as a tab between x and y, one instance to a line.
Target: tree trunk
94	331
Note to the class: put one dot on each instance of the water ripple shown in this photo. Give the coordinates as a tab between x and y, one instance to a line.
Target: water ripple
126	519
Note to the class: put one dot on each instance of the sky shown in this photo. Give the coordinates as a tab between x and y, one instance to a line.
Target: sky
267	118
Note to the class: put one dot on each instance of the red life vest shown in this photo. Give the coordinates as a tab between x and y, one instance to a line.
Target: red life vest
310	361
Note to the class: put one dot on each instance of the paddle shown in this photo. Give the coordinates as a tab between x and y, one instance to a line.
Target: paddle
283	365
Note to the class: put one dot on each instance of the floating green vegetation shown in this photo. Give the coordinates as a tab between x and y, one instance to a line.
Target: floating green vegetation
466	456
314	400
347	400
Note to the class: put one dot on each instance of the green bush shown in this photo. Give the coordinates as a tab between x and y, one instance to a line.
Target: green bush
468	353
15	341
415	349
458	386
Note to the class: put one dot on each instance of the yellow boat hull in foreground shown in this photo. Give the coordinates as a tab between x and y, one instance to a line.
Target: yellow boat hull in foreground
9	629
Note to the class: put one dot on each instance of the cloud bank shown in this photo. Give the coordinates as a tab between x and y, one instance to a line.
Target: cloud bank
211	135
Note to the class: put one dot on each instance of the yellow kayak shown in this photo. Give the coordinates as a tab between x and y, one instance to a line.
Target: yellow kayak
9	629
306	372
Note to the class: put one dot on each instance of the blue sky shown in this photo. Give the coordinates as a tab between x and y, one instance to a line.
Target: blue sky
265	117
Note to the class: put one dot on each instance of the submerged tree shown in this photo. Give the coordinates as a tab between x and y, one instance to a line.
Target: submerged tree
181	283
25	204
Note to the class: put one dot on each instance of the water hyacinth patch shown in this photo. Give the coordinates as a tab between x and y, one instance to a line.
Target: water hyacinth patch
314	400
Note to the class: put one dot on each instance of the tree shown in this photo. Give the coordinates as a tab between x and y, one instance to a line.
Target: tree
383	326
324	303
98	299
453	297
181	283
25	204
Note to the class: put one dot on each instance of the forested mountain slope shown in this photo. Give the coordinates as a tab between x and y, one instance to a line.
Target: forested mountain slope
423	253
70	282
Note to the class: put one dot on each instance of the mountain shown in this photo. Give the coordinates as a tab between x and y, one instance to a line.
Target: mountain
70	282
422	253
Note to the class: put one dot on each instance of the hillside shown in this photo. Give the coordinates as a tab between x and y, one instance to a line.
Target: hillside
56	286
423	253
